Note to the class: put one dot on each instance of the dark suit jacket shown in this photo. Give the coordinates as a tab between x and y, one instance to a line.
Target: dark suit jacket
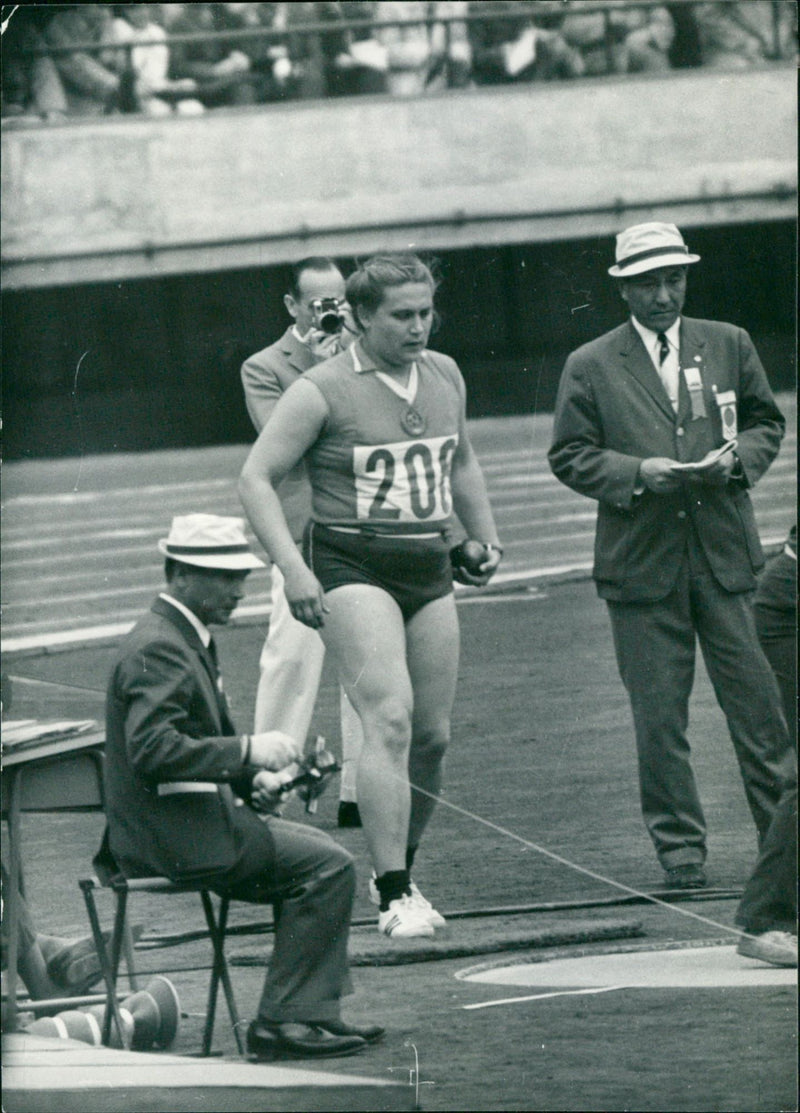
612	411
265	377
173	758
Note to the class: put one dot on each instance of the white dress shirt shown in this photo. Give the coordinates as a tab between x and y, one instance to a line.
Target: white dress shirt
203	631
669	371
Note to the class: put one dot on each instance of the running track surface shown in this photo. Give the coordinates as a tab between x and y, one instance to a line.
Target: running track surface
78	547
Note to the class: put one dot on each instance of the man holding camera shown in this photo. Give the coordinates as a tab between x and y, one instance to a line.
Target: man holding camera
291	660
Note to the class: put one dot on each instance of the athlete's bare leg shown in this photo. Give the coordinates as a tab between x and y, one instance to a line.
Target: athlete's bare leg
364	632
432	649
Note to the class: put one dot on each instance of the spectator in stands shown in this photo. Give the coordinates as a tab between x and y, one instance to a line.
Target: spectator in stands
510	47
451	62
362	66
270	68
93	82
685	49
220	68
621	40
407	44
423	53
31	86
339	62
736	35
155	92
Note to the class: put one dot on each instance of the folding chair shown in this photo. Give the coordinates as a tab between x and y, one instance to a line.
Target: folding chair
109	962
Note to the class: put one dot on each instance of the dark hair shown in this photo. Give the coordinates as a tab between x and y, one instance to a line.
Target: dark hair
172	567
366	285
312	263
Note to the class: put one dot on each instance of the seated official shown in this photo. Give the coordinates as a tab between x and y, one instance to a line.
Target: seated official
175	766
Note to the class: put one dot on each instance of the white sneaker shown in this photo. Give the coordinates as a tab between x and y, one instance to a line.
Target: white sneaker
776	947
436	919
374	895
404	920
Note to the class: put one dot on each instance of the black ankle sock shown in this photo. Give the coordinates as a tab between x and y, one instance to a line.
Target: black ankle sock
410	852
391	886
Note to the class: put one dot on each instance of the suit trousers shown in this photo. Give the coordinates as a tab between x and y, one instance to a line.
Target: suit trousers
310	882
655	646
769	901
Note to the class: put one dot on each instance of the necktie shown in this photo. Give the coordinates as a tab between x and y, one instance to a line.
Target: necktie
227	724
212	652
668	370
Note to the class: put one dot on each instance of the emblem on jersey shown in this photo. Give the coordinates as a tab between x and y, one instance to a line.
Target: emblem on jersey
413	422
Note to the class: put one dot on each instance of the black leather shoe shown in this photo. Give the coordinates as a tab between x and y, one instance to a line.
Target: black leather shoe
294	1040
348	814
370	1032
690	876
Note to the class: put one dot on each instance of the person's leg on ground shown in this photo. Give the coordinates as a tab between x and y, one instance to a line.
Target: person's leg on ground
775	612
432	640
748	694
310	881
655	647
364	631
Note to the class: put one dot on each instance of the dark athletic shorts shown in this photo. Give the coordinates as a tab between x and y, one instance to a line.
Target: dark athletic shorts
414	571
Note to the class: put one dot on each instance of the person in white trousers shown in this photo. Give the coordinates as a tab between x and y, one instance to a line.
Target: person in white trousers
291	660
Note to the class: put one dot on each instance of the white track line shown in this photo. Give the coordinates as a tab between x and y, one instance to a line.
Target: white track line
544	996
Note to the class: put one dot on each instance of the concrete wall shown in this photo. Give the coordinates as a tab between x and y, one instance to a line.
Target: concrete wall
126	197
153	363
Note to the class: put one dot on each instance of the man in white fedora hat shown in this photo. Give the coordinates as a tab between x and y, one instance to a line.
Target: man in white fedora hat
175	766
668	421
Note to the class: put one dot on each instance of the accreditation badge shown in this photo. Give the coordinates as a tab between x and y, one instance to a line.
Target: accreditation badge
694	384
726	400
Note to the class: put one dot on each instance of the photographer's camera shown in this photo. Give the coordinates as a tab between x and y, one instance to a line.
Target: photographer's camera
328	316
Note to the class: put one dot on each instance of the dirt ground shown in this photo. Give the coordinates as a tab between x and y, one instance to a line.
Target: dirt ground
542	750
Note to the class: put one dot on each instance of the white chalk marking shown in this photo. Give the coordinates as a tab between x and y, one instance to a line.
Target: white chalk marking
544	996
682	968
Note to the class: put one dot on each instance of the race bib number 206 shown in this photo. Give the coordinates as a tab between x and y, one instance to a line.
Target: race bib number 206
407	481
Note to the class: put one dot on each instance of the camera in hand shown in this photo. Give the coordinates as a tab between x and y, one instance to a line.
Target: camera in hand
328	316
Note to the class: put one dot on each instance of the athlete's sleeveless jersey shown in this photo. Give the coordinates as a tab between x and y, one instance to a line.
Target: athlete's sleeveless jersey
366	468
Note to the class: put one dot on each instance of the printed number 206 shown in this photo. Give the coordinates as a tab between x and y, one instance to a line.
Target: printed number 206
423	478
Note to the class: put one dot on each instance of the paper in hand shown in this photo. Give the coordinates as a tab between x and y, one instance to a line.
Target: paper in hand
707	461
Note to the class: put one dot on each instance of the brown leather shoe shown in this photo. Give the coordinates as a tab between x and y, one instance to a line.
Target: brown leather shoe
294	1040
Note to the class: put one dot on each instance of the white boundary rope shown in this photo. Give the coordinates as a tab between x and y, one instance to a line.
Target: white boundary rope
737	932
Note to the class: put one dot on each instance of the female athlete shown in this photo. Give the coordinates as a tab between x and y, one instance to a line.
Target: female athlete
382	428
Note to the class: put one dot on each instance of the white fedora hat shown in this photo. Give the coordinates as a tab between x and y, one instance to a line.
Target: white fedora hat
209	541
643	247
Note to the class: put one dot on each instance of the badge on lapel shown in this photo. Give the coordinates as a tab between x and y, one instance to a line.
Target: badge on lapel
694	384
726	400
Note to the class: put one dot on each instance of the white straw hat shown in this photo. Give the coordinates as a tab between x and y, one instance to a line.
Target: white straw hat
644	247
209	541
